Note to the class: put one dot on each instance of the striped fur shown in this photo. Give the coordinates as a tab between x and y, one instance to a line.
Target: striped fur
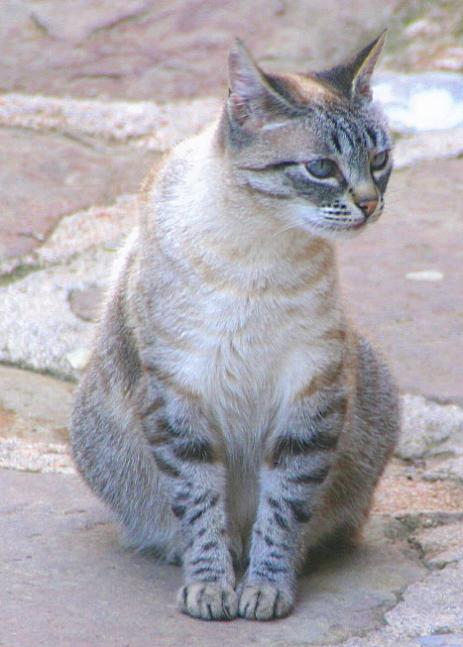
229	415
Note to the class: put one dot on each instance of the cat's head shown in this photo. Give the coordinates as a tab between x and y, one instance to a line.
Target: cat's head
313	146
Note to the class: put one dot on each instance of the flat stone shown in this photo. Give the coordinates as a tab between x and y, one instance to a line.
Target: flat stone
57	545
441	545
38	329
100	226
418	324
142	123
432	606
33	407
451	468
403	493
143	50
428	146
429	428
45	176
443	640
381	638
86	303
35	457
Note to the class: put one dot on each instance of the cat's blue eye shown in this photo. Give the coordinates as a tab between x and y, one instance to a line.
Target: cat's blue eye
379	161
322	168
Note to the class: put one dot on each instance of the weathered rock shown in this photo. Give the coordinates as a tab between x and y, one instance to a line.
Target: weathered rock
142	123
451	468
45	176
145	50
86	303
33	407
99	226
429	429
57	546
403	493
37	327
442	640
432	606
388	638
428	146
416	323
441	545
35	457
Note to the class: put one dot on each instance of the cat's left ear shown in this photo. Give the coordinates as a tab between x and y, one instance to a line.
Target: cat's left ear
353	79
363	66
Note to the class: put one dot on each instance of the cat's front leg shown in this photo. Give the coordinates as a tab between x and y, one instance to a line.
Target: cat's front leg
298	463
188	456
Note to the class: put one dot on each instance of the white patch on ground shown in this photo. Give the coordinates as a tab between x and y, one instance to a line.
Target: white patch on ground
35	457
425	275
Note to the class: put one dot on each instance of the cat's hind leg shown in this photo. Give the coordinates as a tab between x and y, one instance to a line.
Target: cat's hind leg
111	453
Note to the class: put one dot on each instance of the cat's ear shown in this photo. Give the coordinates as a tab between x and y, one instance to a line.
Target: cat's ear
363	66
354	78
252	101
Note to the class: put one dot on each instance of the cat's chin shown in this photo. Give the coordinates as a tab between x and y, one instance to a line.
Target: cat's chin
331	232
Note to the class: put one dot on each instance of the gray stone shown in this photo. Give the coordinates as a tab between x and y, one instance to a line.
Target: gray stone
86	303
383	638
45	176
33	407
99	226
416	323
443	640
441	545
432	606
428	101
138	49
66	573
35	457
143	124
429	429
37	327
451	468
428	146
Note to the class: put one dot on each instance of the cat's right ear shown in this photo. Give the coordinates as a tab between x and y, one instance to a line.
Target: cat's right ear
252	102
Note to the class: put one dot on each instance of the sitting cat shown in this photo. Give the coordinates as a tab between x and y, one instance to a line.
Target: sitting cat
230	416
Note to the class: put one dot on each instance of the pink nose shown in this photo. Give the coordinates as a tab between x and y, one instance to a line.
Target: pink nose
368	206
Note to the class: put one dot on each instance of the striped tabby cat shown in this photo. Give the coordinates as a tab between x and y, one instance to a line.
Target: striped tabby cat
230	416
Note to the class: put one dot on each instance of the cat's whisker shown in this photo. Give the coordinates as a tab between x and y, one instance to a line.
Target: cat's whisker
286	228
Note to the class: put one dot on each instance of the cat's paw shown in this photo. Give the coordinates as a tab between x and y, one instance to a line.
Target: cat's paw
208	601
264	602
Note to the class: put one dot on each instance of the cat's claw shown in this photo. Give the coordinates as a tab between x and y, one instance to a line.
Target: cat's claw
264	602
208	601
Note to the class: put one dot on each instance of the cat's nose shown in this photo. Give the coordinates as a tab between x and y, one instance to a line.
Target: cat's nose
368	206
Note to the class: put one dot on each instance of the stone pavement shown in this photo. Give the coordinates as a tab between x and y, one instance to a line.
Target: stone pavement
92	97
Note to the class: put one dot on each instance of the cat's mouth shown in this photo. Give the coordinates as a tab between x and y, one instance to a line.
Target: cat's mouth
344	225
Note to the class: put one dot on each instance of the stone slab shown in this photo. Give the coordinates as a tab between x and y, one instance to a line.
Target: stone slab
418	323
431	607
140	49
429	429
45	176
33	407
66	581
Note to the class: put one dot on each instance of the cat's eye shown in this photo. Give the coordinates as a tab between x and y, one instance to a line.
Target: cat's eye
379	161
322	168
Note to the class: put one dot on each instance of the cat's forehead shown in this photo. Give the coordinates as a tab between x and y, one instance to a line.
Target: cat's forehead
325	126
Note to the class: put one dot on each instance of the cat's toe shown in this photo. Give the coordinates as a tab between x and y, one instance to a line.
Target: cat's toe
208	601
264	602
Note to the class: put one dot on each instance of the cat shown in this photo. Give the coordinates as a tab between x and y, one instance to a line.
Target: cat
230	416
